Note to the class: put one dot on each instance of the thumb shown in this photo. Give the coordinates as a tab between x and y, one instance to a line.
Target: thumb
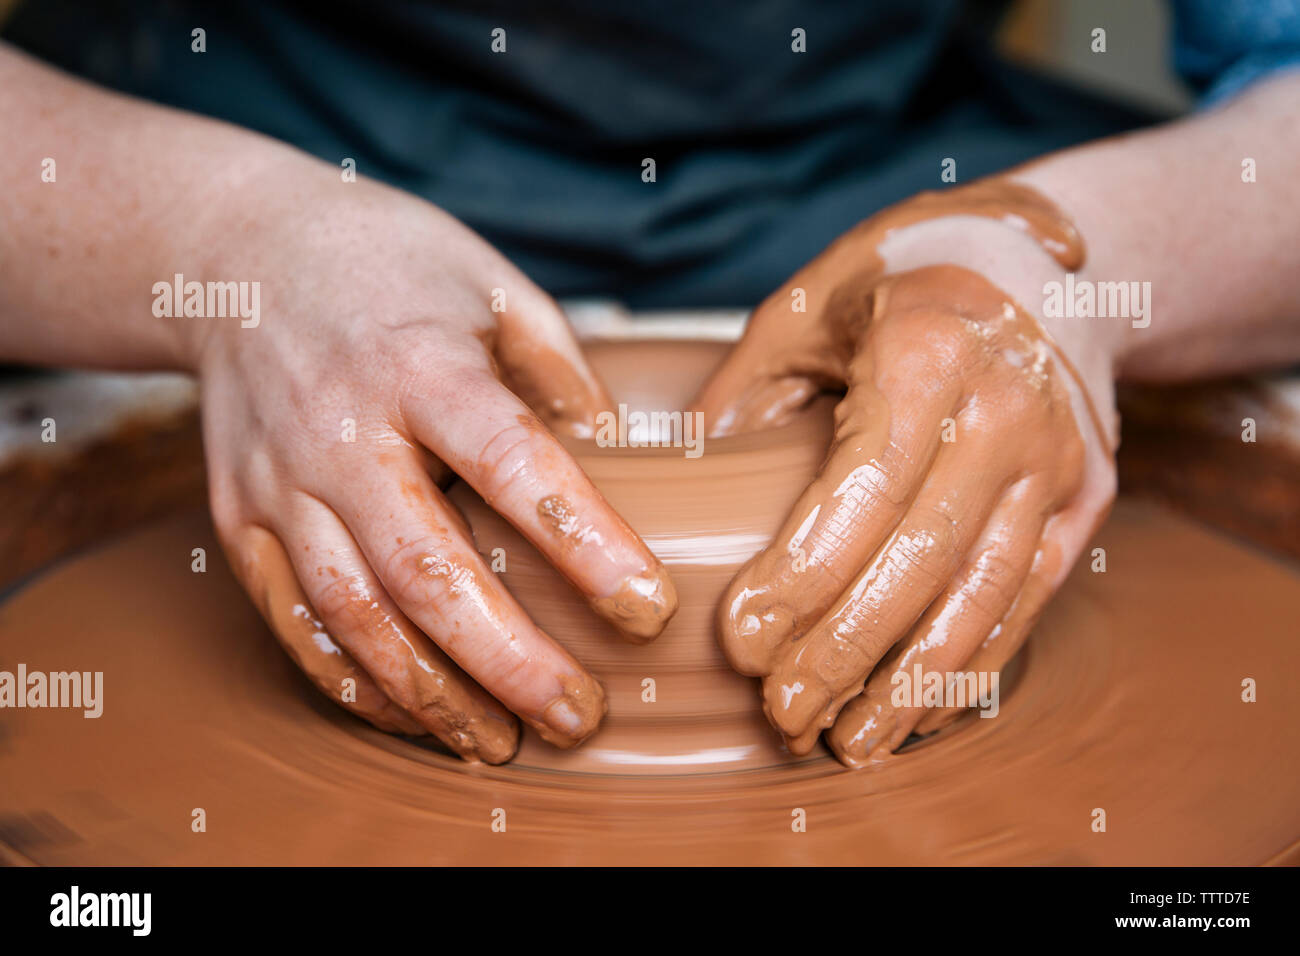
540	360
780	363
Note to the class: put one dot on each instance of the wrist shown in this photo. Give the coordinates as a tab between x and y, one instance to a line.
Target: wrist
1016	263
224	255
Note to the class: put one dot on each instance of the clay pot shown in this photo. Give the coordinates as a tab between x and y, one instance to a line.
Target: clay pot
675	706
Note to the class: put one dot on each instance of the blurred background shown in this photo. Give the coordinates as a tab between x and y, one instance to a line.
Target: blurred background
1055	36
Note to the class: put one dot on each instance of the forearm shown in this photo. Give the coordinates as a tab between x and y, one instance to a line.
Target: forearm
1168	206
138	194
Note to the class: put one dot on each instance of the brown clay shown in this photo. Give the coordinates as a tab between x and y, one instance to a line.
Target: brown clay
1128	699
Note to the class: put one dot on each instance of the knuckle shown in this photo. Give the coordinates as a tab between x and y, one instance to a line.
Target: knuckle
1018	402
875	484
929	546
401	571
425	574
861	641
457	387
946	351
999	582
1071	456
997	571
514	673
223	504
507	455
341	601
952	345
1109	485
261	476
985	421
936	528
1096	492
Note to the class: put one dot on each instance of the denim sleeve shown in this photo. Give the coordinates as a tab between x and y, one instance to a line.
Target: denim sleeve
1223	46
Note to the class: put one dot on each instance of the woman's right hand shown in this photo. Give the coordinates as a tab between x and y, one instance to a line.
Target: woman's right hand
378	367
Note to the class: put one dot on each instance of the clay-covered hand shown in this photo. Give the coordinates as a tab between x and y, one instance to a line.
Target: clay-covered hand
968	468
395	348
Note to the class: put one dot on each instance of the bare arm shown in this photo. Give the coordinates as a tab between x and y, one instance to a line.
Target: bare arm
137	194
1169	206
378	362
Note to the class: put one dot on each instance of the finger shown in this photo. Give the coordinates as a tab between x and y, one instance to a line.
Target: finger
1084	502
949	634
769	374
882	449
999	648
405	664
797	343
754	388
1064	538
819	673
411	536
263	567
541	360
519	468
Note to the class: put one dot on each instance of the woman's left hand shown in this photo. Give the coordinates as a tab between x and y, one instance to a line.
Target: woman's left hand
969	467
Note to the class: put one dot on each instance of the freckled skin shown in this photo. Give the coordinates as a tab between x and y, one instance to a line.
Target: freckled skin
969	465
397	334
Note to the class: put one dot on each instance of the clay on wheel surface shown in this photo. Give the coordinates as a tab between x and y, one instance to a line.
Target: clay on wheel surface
1129	699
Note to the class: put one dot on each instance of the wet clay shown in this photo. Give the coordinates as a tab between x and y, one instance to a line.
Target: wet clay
1128	699
812	348
702	517
436	696
897	514
642	604
911	545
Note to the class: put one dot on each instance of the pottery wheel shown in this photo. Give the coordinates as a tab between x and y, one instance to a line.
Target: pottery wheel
1128	699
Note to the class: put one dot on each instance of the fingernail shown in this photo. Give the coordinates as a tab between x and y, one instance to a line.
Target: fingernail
500	746
795	701
754	623
642	605
562	718
869	744
573	716
489	739
801	744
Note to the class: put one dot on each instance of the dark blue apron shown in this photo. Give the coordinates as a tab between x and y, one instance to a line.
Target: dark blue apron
763	155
